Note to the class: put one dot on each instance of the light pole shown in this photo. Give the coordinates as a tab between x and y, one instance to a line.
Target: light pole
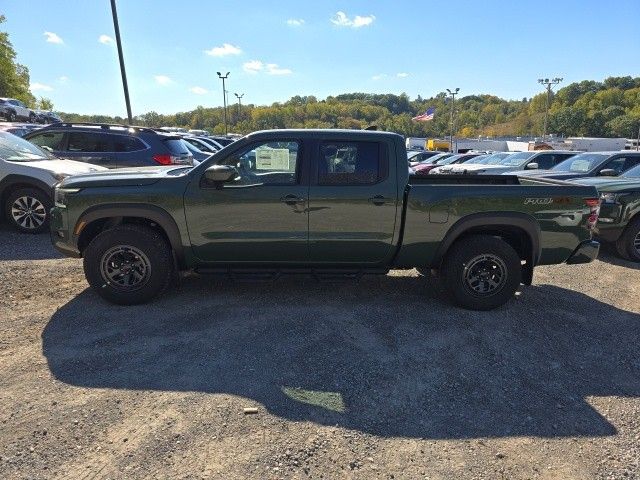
548	83
239	97
114	13
224	99
453	104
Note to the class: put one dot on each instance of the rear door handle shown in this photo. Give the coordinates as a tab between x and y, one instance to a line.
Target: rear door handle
378	200
292	200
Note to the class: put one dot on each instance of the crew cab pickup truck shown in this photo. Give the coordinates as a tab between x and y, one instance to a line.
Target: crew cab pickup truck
323	202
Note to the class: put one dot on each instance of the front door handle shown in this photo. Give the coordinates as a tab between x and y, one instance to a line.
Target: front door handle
292	200
378	200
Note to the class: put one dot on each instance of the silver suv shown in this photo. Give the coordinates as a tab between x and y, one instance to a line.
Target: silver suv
12	110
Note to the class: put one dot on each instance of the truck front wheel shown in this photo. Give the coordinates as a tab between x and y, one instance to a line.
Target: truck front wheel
481	272
128	264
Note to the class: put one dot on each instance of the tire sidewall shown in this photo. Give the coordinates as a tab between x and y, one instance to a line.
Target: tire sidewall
460	256
151	243
42	197
629	236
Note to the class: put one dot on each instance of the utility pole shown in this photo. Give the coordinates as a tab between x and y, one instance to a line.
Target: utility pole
224	99
453	105
114	13
239	97
549	85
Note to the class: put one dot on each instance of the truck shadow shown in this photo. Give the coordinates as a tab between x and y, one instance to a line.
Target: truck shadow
381	357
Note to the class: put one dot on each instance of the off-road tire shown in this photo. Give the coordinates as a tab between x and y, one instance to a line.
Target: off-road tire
34	222
484	258
625	244
146	245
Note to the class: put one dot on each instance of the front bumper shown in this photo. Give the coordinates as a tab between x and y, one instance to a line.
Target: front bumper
61	237
586	252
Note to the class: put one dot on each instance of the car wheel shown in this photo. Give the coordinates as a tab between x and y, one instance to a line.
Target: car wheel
481	272
32	118
628	245
11	116
128	264
28	210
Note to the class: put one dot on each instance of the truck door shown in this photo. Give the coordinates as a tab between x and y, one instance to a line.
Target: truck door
353	200
261	216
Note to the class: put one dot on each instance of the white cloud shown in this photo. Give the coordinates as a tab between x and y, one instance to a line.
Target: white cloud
380	76
163	80
40	87
224	50
199	90
295	22
274	69
342	20
106	39
53	38
402	75
253	67
63	79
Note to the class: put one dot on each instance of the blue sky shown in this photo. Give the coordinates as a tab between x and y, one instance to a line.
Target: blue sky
275	50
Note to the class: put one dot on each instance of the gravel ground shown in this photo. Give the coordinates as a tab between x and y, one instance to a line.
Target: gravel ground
376	379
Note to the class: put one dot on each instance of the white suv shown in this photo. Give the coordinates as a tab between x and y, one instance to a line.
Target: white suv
28	176
13	110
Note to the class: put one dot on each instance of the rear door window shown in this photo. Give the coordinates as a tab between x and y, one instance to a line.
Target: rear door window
89	142
351	163
128	144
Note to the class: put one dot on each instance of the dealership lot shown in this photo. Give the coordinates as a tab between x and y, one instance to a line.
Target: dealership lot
371	380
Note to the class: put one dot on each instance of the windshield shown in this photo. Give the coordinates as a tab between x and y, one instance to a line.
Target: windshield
632	173
583	162
516	160
475	159
436	158
411	155
15	149
493	159
449	159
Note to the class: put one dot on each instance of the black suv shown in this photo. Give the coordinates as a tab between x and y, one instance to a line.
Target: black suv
112	146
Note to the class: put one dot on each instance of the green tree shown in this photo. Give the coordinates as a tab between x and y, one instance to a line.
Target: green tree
14	78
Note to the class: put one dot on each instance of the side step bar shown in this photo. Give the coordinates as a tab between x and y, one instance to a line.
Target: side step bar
273	274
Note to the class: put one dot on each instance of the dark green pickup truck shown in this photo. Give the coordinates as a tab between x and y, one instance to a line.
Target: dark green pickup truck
325	202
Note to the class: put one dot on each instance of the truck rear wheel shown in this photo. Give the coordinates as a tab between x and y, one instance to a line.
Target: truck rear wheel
128	264
481	272
628	245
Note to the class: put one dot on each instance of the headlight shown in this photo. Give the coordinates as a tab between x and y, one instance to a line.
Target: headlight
60	199
609	197
59	176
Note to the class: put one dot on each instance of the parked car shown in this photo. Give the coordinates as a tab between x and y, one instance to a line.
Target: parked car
589	164
423	167
224	141
12	110
449	163
344	208
619	221
201	144
198	155
418	156
28	175
532	160
490	159
43	116
112	146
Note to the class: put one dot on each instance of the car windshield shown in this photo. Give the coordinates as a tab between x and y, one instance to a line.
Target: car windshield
15	149
516	160
493	159
583	162
411	155
436	158
448	160
632	173
475	159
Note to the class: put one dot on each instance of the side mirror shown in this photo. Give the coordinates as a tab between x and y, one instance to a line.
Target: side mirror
220	174
531	166
608	172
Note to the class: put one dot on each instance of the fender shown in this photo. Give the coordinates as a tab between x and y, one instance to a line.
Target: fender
493	219
13	179
150	212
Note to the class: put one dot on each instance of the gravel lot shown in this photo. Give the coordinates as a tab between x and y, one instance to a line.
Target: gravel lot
376	379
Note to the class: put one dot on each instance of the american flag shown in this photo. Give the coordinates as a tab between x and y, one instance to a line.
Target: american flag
426	116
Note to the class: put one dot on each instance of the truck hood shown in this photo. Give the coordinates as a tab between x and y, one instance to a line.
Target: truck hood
608	184
125	177
62	166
